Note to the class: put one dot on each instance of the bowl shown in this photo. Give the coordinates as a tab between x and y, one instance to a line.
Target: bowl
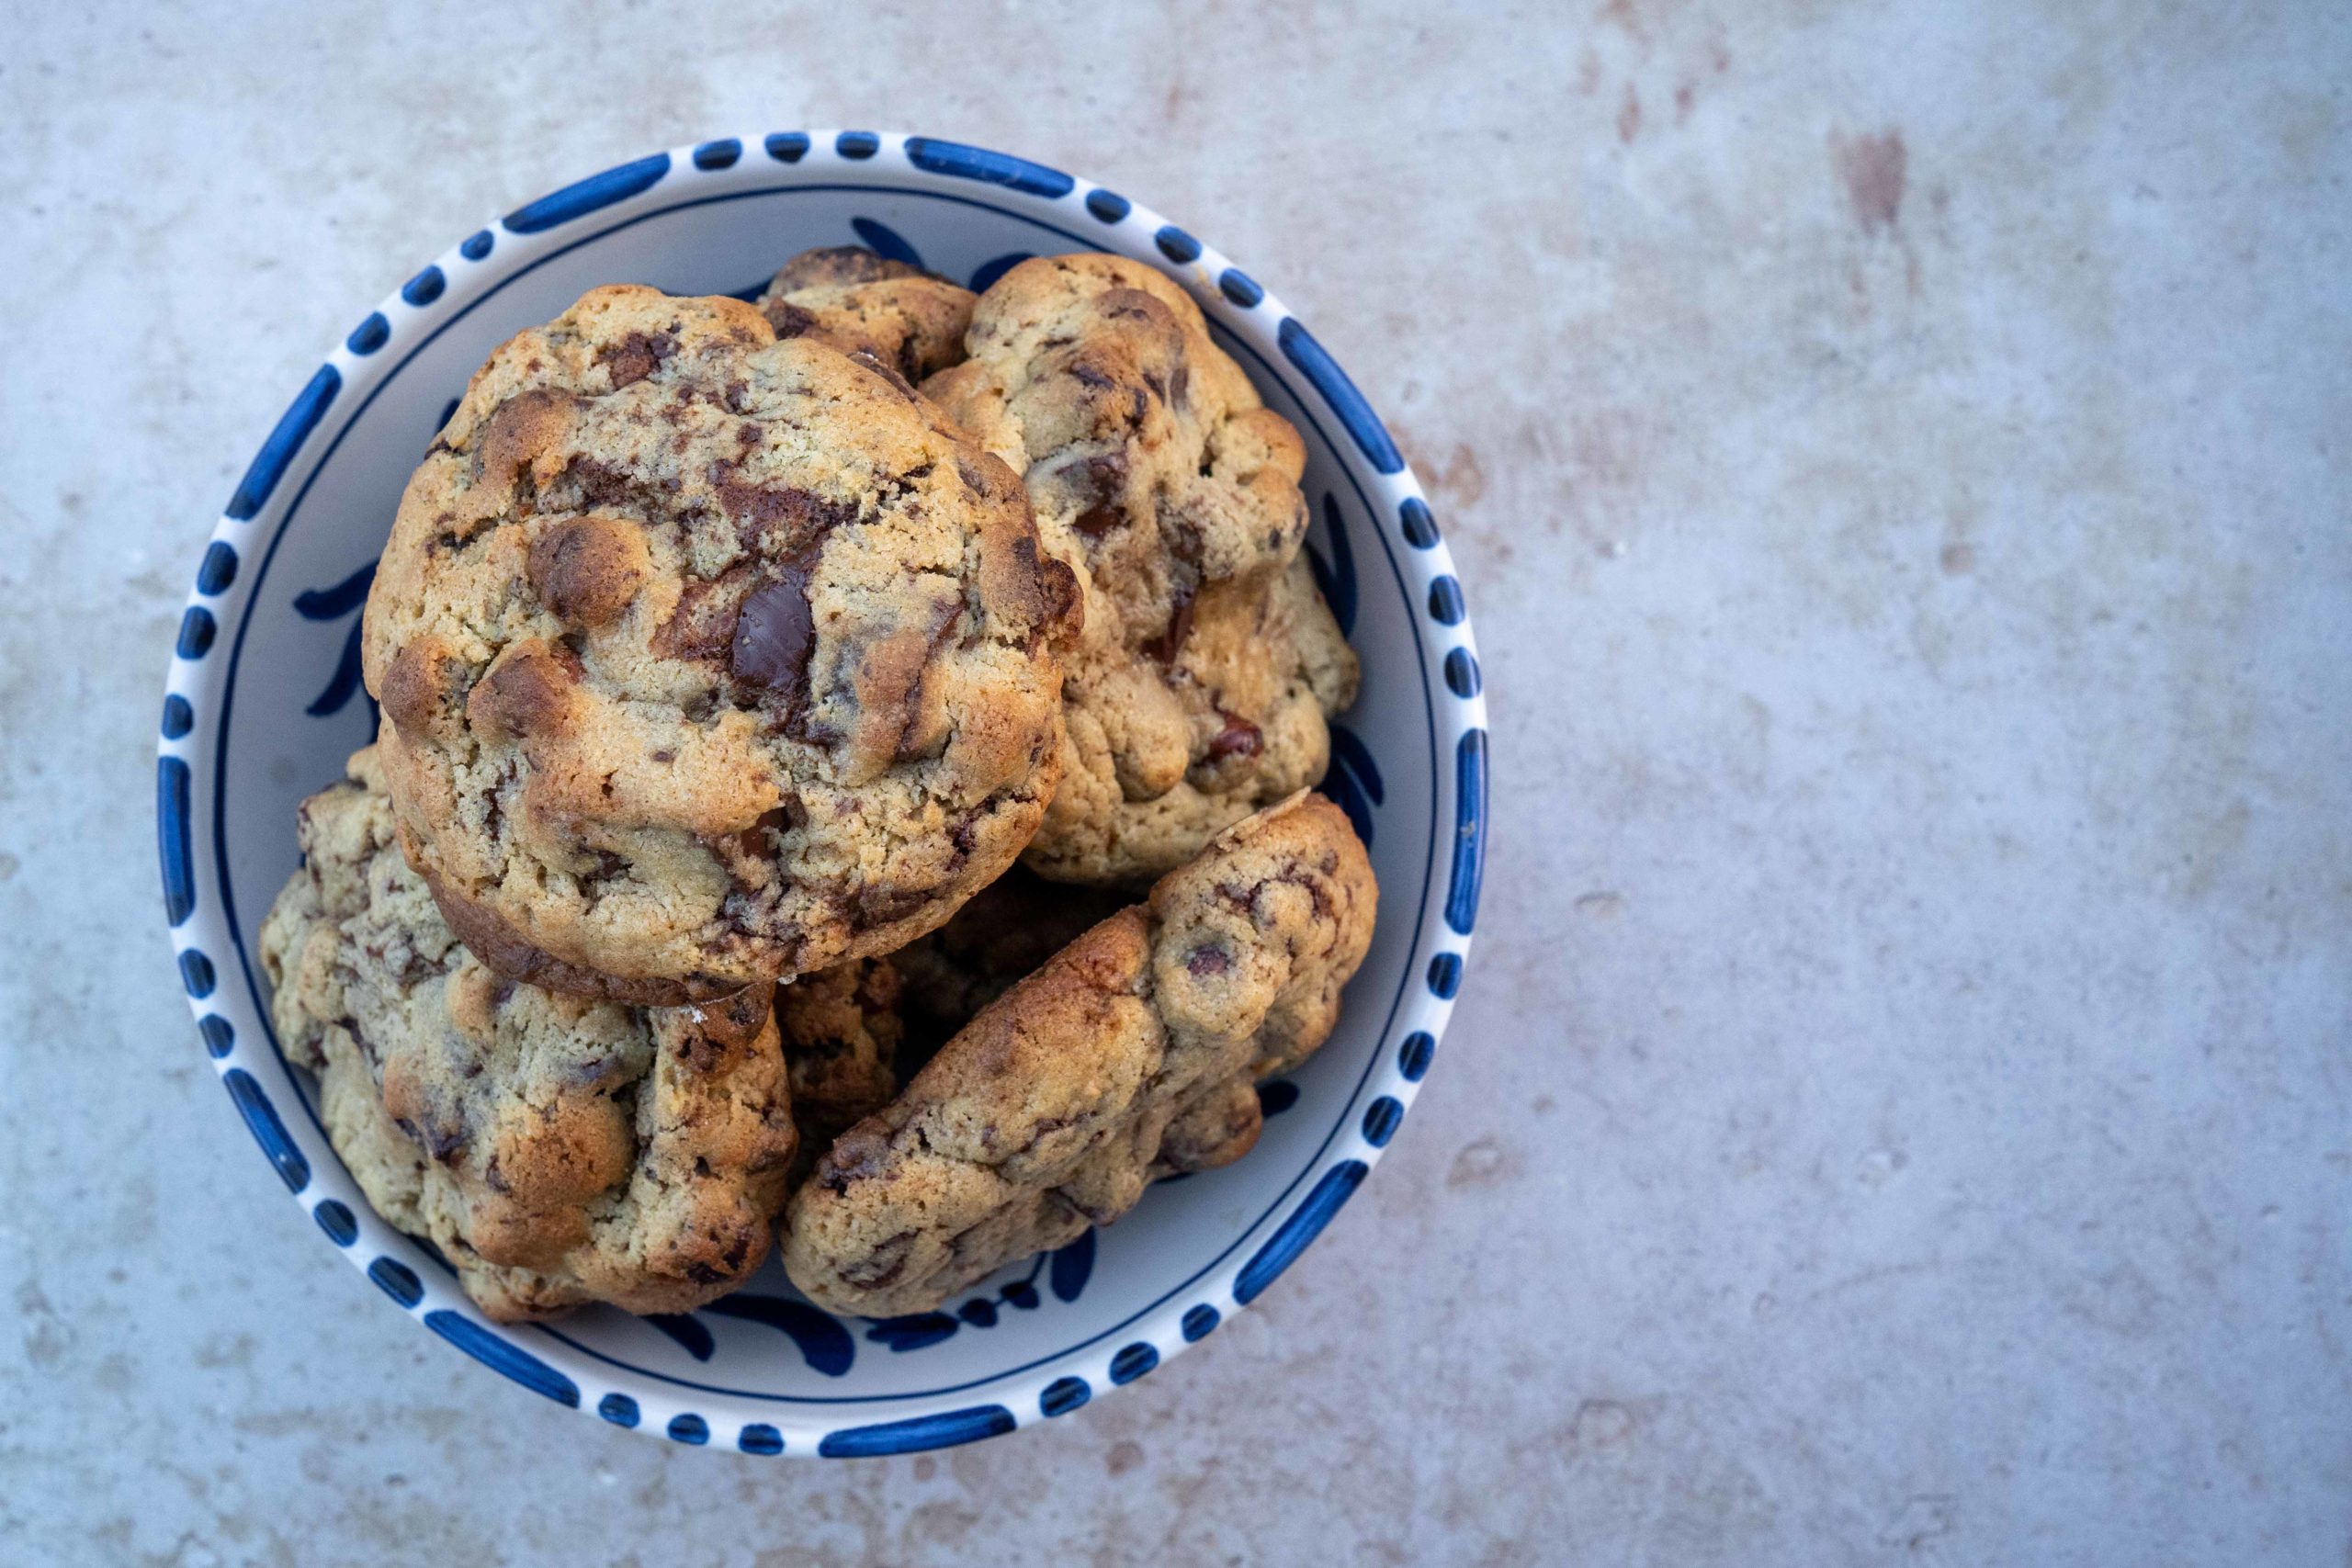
264	701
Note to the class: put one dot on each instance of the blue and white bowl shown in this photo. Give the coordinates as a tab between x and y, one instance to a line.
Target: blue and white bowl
264	701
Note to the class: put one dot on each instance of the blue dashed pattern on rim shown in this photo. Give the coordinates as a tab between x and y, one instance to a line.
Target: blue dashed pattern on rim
294	427
583	196
980	163
336	1221
219	568
396	1280
944	1431
503	1357
370	334
261	1117
424	288
1134	1361
196	974
1307	1222
1269	340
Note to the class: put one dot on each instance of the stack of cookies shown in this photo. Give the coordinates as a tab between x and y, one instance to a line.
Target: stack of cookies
843	776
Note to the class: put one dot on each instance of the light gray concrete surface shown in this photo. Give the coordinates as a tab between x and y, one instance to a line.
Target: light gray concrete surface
1897	455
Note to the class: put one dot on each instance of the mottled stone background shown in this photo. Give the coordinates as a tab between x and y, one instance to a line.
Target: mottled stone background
1897	456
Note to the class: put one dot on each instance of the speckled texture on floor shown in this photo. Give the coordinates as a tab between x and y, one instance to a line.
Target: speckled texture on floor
1897	456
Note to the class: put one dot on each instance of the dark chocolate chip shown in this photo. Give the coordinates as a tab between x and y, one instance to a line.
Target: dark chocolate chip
789	319
781	518
636	356
1102	480
1240	738
1170	641
775	634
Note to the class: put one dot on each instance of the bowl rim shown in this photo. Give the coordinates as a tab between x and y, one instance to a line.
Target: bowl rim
198	689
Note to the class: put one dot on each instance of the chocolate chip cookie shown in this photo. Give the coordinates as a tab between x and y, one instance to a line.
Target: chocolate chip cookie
1008	931
841	1032
1130	1056
558	1150
708	660
1208	662
861	303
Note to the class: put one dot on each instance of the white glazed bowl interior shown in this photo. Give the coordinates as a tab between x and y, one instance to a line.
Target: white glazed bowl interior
263	706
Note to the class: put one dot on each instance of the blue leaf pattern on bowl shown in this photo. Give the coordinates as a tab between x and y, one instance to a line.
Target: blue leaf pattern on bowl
885	242
333	605
988	272
1337	576
1072	1265
824	1344
687	1330
1067	1271
1354	780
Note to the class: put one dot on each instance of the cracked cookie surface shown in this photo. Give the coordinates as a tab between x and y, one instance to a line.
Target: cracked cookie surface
1130	1055
708	660
558	1150
862	303
1208	662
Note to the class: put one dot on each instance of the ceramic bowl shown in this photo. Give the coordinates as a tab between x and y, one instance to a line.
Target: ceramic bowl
264	701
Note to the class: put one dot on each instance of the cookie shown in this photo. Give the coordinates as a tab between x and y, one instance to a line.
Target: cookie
1208	662
841	1032
1130	1055
861	303
1008	931
558	1150
708	660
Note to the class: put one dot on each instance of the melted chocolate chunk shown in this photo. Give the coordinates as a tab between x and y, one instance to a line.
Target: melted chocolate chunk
880	906
775	634
1206	960
703	625
1164	647
636	356
785	515
1102	480
602	485
1240	738
751	843
789	319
